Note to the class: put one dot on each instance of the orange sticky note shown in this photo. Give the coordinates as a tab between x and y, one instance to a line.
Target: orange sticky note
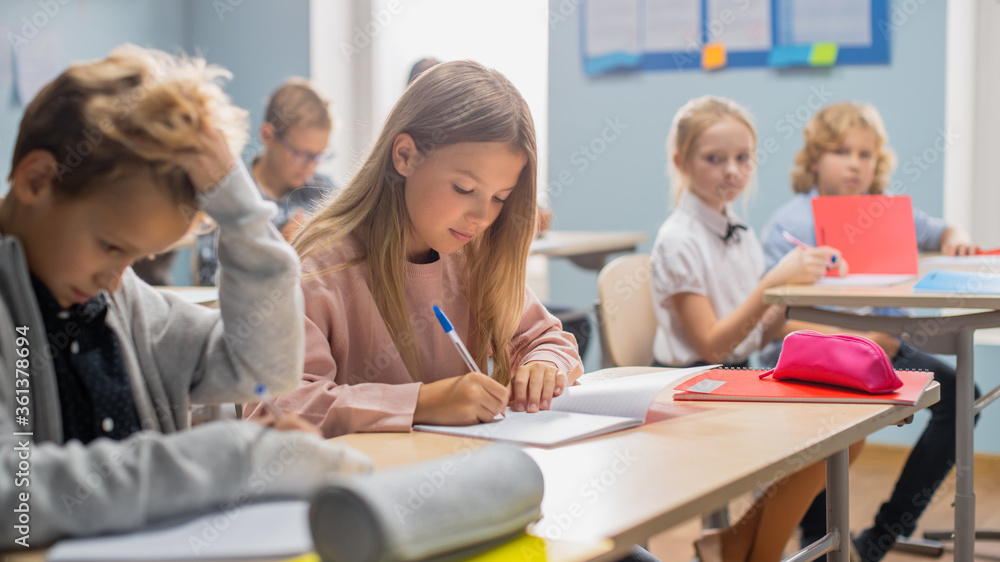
713	55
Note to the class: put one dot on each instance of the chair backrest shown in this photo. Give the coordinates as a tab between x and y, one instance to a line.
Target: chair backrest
628	323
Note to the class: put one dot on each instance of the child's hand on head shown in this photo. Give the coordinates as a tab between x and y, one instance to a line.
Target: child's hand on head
207	167
469	399
534	385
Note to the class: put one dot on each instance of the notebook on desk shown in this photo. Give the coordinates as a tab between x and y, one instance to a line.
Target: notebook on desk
583	411
261	531
745	385
874	233
951	281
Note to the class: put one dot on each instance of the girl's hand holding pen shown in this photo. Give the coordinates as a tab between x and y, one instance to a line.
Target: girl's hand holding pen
469	399
805	266
534	385
828	257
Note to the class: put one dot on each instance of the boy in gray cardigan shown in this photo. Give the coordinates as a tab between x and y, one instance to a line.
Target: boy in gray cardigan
114	160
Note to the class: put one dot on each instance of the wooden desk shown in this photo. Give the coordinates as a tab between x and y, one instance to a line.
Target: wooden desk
630	485
587	249
937	334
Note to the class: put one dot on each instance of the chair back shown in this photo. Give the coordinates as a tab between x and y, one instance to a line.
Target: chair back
625	311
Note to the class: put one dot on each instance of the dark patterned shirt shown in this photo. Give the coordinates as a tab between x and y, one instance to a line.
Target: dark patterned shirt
94	389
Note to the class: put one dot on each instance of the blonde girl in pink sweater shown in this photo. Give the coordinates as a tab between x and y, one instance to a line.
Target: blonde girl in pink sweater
442	212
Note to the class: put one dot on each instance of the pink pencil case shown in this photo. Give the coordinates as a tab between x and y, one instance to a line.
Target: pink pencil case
836	359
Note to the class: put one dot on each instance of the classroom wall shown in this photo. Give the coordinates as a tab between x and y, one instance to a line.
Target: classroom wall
262	43
607	159
84	30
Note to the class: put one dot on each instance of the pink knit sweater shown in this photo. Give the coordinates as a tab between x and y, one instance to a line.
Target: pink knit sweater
354	377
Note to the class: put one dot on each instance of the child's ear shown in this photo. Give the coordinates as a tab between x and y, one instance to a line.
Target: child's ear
33	176
404	154
267	134
678	163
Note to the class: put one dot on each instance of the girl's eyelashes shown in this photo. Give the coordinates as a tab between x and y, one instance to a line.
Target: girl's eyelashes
109	248
461	191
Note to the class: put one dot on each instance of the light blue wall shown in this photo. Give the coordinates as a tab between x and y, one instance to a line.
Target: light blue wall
262	42
625	118
86	30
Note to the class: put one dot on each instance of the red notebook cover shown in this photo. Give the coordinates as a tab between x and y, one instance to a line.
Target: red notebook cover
874	233
745	385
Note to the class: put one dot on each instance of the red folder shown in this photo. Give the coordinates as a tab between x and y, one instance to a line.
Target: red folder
874	233
745	385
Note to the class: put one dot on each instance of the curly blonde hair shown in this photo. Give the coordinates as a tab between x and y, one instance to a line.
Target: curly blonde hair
690	121
451	103
136	109
826	131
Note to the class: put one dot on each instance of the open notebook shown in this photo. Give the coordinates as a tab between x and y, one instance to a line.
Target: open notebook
582	411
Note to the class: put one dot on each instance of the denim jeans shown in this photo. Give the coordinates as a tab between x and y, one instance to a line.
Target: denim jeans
927	466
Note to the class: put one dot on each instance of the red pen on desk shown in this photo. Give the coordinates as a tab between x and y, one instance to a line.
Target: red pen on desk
788	236
993	252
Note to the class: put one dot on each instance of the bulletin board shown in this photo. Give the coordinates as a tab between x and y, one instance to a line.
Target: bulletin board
670	35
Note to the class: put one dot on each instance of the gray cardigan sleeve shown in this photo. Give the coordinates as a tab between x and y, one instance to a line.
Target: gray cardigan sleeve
256	335
182	352
107	486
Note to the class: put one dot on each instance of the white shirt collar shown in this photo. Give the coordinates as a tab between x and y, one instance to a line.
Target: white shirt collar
716	222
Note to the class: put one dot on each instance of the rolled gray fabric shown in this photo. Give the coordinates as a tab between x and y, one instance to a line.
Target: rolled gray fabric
429	509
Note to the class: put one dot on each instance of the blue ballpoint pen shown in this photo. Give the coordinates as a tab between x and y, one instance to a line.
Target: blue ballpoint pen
462	350
261	391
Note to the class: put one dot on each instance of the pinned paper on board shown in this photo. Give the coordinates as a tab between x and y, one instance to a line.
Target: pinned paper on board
783	56
611	39
713	56
874	233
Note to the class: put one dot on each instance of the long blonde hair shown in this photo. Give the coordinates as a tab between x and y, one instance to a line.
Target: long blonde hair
826	131
452	103
690	121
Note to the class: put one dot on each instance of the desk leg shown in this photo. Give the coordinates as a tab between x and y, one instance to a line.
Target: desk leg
965	496
838	519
